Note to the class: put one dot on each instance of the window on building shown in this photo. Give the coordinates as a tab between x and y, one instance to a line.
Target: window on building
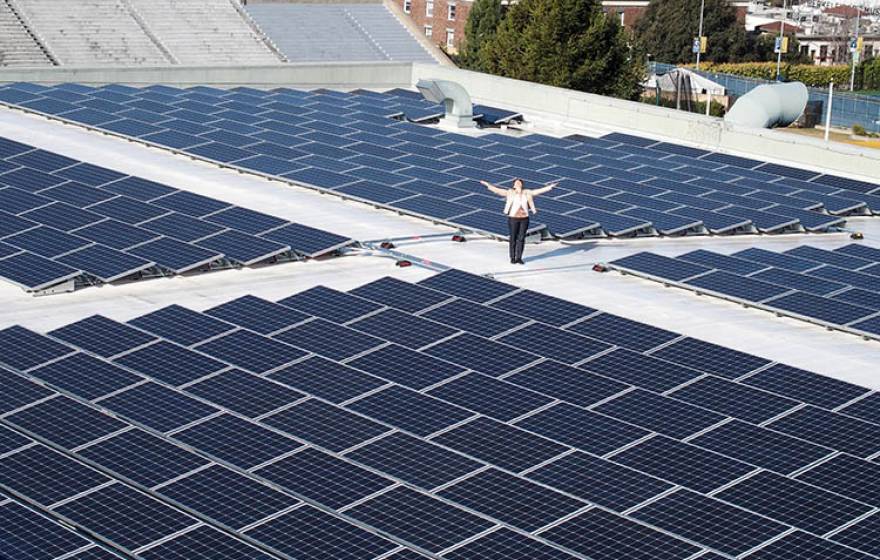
823	53
429	30
869	51
407	6
429	8
450	38
450	11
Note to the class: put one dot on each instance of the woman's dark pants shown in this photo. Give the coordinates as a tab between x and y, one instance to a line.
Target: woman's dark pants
517	228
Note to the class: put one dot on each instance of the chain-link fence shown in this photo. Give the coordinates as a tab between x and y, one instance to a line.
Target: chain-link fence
847	109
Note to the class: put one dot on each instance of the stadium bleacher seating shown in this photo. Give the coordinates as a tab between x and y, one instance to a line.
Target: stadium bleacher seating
18	47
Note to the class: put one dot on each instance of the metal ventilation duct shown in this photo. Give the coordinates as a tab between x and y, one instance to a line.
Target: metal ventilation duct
455	100
769	106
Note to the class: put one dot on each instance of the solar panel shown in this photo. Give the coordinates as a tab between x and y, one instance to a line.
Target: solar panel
43	160
784	499
506	543
327	379
500	444
243	248
106	264
733	399
481	354
709	522
475	318
599	481
176	256
46	476
808	547
414	460
778	260
408	410
203	543
501	495
711	358
28	179
425	521
237	441
46	242
157	407
798	281
257	314
330	304
192	204
862	535
227	497
328	480
24	349
244	393
27	534
138	188
822	308
623	332
142	457
805	386
566	383
544	308
116	234
660	414
128	518
847	476
867	408
325	425
170	363
833	258
306	531
102	336
181	325
328	339
640	370
77	194
603	535
666	268
765	448
11	224
251	351
10	441
308	241
837	431
65	422
403	328
85	376
563	346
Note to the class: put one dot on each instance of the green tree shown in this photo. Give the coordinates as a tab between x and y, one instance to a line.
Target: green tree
761	49
564	43
667	28
482	23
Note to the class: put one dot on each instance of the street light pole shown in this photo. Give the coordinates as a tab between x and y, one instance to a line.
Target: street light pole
779	54
855	52
700	32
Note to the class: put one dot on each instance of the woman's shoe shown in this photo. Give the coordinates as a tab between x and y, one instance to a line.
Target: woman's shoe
520	261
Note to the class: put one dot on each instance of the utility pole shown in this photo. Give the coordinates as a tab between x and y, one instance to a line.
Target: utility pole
700	33
779	43
856	53
828	110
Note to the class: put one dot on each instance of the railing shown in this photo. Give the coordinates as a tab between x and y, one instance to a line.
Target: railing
848	109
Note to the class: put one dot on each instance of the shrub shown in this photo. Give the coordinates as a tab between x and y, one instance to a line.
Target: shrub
859	130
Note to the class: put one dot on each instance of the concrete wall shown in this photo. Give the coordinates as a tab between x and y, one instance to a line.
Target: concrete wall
305	75
661	123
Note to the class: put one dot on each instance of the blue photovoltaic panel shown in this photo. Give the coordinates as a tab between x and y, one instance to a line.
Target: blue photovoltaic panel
142	457
798	281
661	414
793	502
833	258
244	393
503	543
500	444
170	363
203	543
308	241
102	336
176	256
423	520
414	460
243	248
660	266
10	224
623	332
475	318
584	429
24	349
830	429
257	314
327	379
330	304
733	399
467	285
494	398
190	204
106	264
85	376
822	308
711	358
778	260
866	409
137	188
403	328
319	476
181	325
409	410
806	386
28	535
804	546
862	535
34	272
501	495
600	535
643	371
10	441
65	422
46	476
227	497
19	391
481	354
306	531
251	351
157	407
722	262
182	227
77	194
241	219
399	294
682	463
328	339
326	425
406	367
17	201
709	522
235	440
599	481
765	448
544	308
566	347
567	383
116	234
126	517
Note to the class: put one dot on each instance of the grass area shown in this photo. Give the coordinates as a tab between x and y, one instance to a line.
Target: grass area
836	135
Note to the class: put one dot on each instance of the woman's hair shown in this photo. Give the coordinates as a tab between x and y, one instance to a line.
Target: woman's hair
518	180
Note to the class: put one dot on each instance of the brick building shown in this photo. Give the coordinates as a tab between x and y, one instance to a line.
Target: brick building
442	21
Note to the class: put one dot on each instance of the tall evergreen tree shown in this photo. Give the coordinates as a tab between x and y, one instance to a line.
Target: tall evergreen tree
667	28
564	43
482	23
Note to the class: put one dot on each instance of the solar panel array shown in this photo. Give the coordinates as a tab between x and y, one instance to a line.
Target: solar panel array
839	288
62	219
355	145
241	432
